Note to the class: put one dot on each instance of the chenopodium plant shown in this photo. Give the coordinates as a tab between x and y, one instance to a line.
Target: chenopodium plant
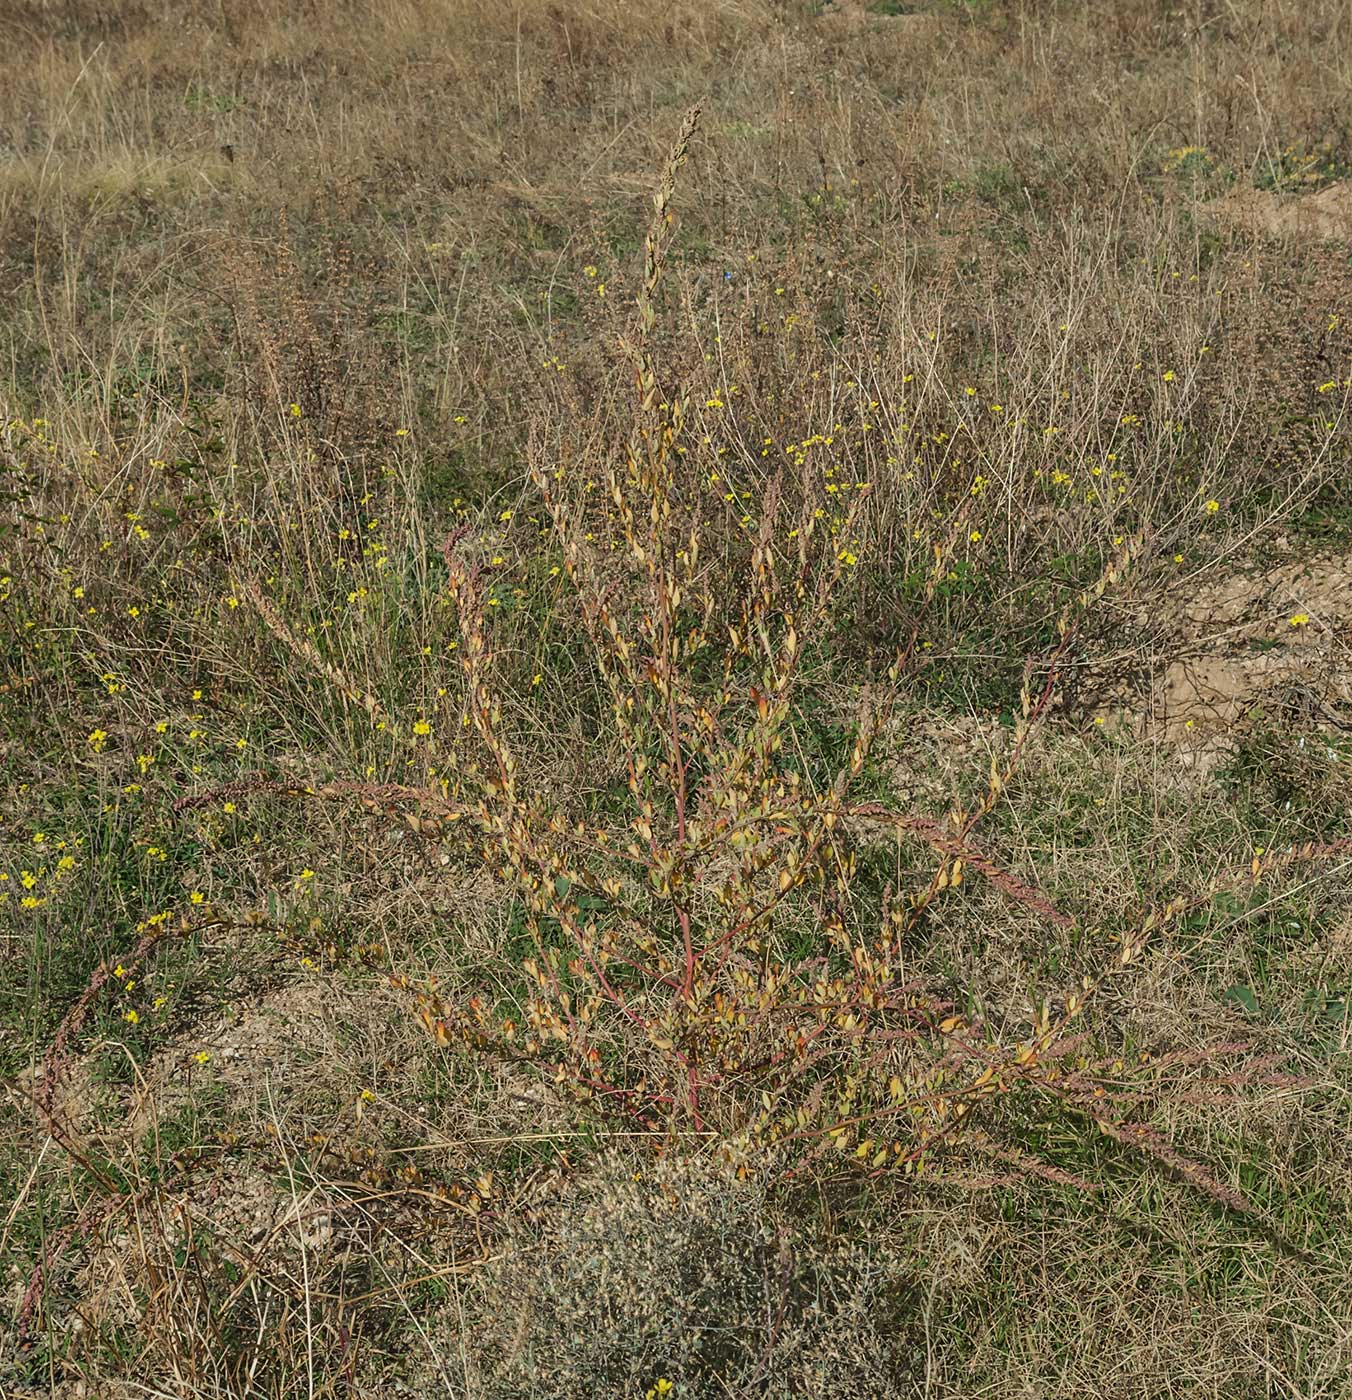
662	989
705	967
708	966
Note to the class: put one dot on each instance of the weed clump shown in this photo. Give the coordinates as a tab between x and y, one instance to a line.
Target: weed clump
678	1274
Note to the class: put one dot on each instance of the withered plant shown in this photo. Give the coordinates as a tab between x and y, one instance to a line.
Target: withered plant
707	965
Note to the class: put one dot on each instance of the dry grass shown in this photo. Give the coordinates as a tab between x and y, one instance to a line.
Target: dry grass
1030	322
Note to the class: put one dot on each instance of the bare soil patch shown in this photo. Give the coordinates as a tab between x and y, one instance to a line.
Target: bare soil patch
1323	214
1267	645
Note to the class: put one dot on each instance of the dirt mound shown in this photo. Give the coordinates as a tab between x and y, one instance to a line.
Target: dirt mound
1324	214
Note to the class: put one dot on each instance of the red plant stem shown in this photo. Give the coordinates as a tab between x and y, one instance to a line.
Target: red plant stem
682	794
958	848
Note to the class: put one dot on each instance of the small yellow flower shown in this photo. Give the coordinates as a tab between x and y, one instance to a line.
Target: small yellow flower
197	896
1300	620
202	1056
97	739
131	1017
1169	376
974	536
1212	507
307	874
422	728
